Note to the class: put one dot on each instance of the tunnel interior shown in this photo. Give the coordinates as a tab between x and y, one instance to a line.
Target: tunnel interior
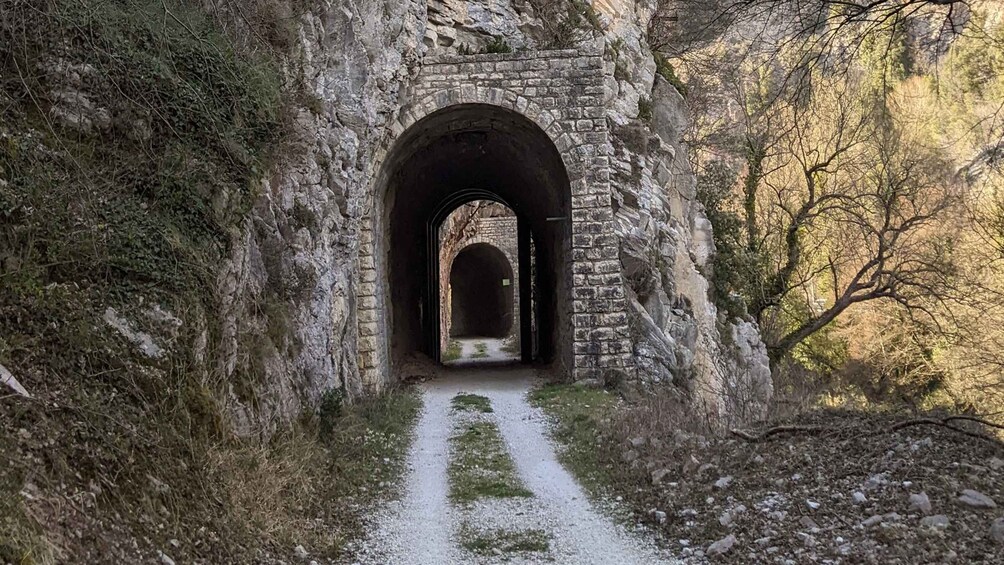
458	155
481	293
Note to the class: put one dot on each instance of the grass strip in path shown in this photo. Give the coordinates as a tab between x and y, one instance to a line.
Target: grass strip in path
472	403
505	541
480	350
577	412
480	464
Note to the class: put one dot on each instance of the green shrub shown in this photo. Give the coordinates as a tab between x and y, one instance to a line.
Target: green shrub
138	209
645	110
330	410
737	272
151	200
498	44
566	23
665	69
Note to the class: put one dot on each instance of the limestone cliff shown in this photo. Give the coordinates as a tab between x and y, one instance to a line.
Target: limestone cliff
298	253
666	240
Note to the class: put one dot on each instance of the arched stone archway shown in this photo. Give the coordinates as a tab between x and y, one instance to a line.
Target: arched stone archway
482	128
454	156
481	293
498	229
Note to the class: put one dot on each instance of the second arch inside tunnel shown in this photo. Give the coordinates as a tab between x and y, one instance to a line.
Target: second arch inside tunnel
481	293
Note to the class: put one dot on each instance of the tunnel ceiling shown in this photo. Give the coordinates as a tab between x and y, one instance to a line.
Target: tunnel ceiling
479	147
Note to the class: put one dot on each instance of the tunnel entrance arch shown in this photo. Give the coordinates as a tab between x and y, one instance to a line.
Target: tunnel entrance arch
487	127
455	156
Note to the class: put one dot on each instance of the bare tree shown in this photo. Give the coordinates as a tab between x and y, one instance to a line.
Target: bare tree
682	24
830	198
887	249
834	210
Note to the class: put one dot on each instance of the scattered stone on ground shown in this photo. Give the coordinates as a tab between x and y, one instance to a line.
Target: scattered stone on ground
936	521
997	530
722	546
976	499
8	379
920	502
855	494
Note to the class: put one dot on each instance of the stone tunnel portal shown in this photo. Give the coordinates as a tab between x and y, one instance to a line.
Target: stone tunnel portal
481	284
526	129
455	156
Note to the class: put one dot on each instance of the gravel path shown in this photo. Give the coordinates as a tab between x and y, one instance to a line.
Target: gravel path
495	352
423	527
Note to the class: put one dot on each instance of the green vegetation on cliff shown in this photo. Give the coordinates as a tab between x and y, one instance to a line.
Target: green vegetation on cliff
133	138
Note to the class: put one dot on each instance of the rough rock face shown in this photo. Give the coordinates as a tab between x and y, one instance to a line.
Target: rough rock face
293	275
666	240
298	252
453	23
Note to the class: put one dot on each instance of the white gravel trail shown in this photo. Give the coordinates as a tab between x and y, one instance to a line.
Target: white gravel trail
417	528
422	528
494	353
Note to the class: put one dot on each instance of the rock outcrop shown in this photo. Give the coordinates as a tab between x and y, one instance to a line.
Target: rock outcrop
666	240
293	277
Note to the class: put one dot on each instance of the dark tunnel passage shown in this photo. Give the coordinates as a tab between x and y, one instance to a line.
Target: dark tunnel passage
458	155
481	293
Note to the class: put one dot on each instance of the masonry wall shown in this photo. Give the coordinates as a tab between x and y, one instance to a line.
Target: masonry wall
499	232
563	93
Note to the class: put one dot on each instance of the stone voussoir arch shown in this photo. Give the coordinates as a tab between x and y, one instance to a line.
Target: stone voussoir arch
487	231
511	258
546	120
475	240
549	121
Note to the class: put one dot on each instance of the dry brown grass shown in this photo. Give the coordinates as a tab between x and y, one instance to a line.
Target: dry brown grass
273	490
220	501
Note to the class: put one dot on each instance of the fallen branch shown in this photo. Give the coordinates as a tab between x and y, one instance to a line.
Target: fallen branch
947	423
777	430
975	419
